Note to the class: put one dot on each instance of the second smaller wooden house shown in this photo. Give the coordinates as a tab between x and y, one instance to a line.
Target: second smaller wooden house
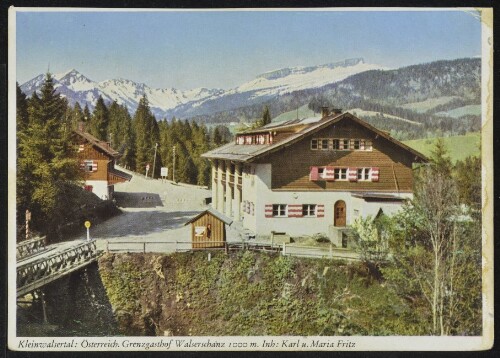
208	229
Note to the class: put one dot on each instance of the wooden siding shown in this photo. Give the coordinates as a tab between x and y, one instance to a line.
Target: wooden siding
291	165
218	233
103	161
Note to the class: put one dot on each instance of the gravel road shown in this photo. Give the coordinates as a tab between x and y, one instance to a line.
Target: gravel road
152	210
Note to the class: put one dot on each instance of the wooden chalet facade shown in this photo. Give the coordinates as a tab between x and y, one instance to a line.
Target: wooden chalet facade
309	176
97	160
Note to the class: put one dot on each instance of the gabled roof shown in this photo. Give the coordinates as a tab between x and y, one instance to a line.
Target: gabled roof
103	146
249	153
213	212
120	174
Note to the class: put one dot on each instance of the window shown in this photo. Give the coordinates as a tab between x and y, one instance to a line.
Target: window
314	144
340	173
323	144
336	144
89	165
345	144
363	173
321	172
356	144
279	210
309	210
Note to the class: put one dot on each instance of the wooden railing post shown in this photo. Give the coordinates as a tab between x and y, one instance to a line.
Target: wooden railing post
144	246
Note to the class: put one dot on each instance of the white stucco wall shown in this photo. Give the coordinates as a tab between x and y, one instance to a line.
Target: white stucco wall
99	188
256	189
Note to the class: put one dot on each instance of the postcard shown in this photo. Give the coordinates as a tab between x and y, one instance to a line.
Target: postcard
250	179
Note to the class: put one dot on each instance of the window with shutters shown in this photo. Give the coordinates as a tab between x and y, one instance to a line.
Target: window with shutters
356	144
279	210
88	165
345	144
309	210
340	173
363	174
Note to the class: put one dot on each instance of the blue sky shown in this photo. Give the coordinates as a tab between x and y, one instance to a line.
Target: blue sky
224	49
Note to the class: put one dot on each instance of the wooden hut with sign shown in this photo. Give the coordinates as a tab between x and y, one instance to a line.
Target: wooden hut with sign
208	229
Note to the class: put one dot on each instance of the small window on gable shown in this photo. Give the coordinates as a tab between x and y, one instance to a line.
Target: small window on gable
345	143
356	144
314	144
323	144
89	165
336	144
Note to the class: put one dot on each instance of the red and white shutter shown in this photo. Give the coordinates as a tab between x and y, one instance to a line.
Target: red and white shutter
320	211
329	174
295	210
352	174
94	166
269	210
341	144
313	174
375	174
362	144
368	144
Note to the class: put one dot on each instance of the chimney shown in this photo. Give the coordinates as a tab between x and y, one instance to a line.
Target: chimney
325	112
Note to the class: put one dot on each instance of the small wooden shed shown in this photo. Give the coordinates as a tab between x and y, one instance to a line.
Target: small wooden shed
208	229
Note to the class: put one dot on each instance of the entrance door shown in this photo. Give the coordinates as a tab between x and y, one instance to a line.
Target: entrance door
339	216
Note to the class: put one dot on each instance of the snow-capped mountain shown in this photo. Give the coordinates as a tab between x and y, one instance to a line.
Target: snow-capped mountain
286	80
170	101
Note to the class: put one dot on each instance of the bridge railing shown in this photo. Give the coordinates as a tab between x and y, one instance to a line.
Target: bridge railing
37	273
27	248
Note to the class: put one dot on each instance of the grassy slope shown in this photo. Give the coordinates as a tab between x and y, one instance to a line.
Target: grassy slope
460	147
247	293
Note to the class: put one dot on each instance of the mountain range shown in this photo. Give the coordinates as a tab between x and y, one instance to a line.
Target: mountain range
168	102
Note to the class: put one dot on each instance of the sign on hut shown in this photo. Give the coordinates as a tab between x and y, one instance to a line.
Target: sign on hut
208	229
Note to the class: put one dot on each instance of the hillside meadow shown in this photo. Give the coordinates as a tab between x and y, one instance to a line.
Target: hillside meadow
459	147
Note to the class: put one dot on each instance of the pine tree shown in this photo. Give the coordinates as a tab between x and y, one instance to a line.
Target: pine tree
22	117
266	116
440	158
100	120
86	114
46	158
146	135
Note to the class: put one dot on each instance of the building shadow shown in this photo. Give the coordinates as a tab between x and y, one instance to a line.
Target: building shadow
137	200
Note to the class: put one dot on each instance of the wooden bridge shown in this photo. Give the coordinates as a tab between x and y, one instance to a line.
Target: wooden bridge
38	265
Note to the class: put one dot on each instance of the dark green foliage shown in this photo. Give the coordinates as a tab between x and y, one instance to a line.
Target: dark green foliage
22	118
146	135
468	179
121	134
247	293
99	121
46	157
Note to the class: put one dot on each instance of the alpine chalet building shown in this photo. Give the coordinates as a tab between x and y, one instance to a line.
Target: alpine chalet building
314	175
